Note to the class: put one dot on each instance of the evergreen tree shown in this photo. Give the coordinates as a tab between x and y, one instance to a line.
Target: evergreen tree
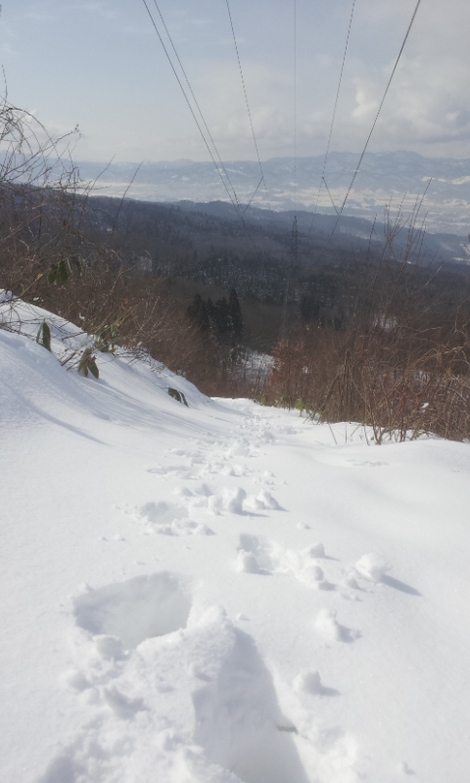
223	316
212	317
198	313
235	313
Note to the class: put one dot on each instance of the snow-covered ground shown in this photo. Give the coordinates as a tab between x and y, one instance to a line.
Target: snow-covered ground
222	592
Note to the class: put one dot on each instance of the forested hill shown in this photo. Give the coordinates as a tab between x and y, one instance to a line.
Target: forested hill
209	242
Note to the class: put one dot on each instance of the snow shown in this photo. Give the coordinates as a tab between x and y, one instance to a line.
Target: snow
223	592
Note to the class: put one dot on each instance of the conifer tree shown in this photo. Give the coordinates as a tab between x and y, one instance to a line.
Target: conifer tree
235	313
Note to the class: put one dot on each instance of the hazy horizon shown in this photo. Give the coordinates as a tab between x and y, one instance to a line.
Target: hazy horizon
394	181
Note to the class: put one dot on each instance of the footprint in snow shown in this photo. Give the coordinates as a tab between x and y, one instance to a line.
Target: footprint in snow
171	470
170	520
230	500
115	620
233	500
123	614
239	723
266	436
122	705
240	448
308	683
256	555
314	576
404	769
331	631
374	568
231	470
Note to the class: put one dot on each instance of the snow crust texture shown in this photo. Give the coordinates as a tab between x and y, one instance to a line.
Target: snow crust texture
222	593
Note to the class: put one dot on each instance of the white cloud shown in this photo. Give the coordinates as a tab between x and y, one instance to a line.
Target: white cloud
100	63
366	107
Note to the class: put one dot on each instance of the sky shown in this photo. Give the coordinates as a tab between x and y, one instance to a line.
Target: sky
99	64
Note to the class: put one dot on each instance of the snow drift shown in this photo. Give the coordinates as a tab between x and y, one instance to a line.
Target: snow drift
221	592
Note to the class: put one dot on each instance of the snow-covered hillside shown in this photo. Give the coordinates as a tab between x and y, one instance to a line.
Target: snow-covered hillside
222	592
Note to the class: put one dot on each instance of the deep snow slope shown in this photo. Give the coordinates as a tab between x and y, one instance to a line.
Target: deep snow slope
222	592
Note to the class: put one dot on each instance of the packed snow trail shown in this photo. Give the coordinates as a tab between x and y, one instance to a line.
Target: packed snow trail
223	592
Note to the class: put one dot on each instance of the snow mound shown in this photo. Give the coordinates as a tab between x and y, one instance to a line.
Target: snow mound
372	566
239	723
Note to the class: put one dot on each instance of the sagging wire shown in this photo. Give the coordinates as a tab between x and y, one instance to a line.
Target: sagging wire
356	171
245	93
219	168
330	135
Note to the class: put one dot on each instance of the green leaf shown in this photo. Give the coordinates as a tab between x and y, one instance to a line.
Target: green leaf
93	367
63	273
75	262
43	336
177	395
52	274
59	272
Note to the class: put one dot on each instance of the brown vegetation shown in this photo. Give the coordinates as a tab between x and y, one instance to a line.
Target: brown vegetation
401	363
387	346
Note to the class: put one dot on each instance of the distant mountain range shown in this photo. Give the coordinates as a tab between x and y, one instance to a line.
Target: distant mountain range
387	181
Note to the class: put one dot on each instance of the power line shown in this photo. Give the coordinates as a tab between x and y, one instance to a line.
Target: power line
330	197
247	105
234	200
254	194
294	247
356	172
196	102
295	103
330	135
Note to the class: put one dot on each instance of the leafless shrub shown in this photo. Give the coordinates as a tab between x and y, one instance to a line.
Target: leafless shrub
401	364
52	253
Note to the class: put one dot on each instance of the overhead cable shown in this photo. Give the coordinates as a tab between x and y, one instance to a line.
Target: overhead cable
211	138
330	135
247	103
356	172
232	198
295	102
294	247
